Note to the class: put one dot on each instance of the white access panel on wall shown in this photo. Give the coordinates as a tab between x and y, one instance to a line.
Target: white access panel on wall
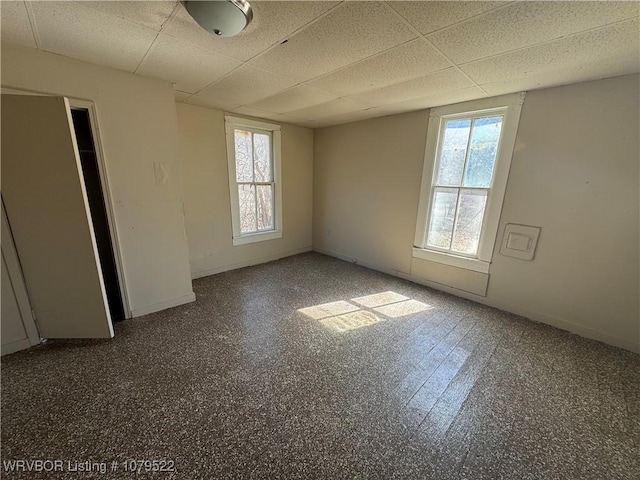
47	209
520	241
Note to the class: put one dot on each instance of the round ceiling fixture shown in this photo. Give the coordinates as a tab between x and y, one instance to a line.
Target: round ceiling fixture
224	18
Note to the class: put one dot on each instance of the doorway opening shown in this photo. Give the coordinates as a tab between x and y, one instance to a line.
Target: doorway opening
98	210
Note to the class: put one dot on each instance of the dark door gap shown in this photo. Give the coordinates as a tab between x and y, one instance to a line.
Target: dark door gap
97	207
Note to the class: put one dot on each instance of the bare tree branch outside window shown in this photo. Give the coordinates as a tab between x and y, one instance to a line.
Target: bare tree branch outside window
254	176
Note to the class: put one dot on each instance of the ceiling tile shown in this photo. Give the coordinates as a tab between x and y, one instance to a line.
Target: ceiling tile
304	123
152	14
407	61
350	117
252	112
189	67
614	49
246	85
332	108
446	98
292	120
316	124
209	102
428	17
15	26
363	53
272	22
428	101
295	98
523	24
351	32
434	84
555	78
88	34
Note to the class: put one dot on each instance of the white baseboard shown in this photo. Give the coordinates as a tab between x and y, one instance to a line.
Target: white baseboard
355	261
626	343
15	346
156	307
248	263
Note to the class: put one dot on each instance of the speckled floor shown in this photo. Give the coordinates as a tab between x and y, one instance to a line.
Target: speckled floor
404	383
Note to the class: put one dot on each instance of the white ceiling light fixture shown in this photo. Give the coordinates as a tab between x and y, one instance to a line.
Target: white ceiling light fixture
224	18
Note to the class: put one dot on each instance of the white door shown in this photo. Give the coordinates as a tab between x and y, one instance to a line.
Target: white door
18	330
47	208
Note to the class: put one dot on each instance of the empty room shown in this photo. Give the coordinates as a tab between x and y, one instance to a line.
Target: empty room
320	240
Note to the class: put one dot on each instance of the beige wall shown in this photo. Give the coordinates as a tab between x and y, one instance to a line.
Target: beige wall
574	173
366	185
206	194
138	127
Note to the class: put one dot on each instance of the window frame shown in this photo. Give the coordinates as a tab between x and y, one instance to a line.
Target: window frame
508	105
231	124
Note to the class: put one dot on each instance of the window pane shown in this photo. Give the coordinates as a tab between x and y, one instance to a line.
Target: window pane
469	221
244	156
262	157
482	154
265	207
454	151
247	201
443	213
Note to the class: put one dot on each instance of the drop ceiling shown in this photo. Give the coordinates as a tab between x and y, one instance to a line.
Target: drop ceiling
325	63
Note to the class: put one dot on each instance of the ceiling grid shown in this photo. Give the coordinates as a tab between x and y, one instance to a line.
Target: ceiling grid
317	63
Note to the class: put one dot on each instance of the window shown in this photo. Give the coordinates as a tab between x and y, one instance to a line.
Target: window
253	151
467	160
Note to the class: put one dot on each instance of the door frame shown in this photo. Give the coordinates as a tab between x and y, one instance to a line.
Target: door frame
18	285
106	193
104	183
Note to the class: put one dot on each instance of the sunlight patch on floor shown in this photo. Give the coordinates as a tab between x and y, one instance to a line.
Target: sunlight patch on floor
325	310
379	299
344	316
400	309
351	321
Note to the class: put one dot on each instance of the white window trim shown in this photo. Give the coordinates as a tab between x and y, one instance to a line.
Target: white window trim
231	123
511	105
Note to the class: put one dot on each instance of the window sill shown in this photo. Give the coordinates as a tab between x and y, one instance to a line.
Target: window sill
473	264
257	237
